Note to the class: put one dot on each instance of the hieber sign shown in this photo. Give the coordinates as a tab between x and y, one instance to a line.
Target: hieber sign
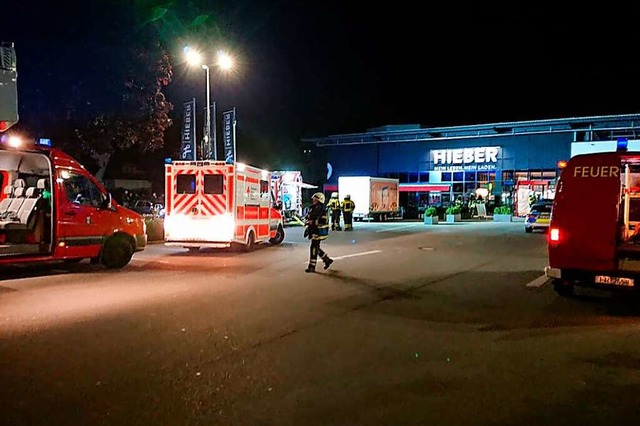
480	158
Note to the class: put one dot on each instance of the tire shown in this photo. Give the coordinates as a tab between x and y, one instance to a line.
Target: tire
116	253
193	249
563	289
279	236
528	230
251	242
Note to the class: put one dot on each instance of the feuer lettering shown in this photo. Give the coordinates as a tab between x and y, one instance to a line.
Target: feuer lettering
596	171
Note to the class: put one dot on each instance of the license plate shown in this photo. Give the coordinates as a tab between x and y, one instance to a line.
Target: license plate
605	279
542	221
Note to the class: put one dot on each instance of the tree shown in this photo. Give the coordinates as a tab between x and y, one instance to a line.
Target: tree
141	114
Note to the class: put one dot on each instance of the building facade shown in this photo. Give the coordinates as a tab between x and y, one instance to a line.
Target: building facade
436	166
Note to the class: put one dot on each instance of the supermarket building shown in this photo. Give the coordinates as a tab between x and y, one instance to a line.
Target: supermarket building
436	165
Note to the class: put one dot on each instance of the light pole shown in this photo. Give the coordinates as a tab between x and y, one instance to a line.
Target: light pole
224	62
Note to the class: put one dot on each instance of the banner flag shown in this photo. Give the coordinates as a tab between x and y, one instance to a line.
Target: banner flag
188	148
229	133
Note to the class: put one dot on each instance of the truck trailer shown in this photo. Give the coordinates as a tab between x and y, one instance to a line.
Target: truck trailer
375	198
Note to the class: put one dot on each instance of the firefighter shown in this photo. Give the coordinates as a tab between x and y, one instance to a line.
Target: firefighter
317	230
334	206
348	207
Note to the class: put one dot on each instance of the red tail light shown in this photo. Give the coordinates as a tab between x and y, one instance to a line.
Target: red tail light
554	235
3	238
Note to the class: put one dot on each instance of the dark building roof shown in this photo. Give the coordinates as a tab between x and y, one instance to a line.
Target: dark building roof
605	127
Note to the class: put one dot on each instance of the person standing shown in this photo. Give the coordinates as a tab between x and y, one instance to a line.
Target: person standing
317	230
334	206
348	206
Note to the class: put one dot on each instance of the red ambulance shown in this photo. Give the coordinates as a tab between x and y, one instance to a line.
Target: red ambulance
52	209
215	204
594	234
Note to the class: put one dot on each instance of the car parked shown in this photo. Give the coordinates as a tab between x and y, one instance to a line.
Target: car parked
539	216
147	207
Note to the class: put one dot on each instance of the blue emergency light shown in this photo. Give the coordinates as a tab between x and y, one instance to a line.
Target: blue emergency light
621	144
44	142
168	160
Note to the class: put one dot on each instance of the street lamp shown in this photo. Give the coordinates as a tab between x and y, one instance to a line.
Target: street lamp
225	63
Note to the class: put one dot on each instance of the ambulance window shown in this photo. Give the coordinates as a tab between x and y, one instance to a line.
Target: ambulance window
186	184
214	184
264	187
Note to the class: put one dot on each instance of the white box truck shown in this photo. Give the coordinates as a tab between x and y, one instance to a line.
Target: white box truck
375	198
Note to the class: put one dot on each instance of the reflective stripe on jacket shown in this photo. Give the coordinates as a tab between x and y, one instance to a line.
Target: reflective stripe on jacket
348	206
318	222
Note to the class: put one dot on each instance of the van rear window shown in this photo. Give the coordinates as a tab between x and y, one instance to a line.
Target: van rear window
213	184
186	184
542	208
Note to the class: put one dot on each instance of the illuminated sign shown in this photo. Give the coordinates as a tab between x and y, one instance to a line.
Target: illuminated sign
480	158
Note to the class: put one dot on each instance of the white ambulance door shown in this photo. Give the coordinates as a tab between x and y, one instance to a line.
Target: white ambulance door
265	209
241	199
213	191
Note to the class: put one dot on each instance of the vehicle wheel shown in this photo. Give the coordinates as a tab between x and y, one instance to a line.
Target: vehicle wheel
116	253
193	249
279	236
563	289
528	230
251	242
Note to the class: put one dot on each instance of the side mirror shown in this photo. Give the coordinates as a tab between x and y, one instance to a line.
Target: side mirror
107	204
278	205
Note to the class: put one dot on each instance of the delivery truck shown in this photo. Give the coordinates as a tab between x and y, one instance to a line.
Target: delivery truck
375	198
594	233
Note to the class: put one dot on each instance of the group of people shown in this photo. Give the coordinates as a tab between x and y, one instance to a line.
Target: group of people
344	209
317	224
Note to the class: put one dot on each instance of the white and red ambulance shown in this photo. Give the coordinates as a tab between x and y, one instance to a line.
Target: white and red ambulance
216	204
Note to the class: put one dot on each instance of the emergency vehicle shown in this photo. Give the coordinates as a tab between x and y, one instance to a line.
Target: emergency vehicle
52	209
287	189
215	204
594	234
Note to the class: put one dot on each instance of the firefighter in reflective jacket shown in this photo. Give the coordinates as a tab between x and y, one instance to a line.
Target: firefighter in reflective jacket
317	229
348	207
334	206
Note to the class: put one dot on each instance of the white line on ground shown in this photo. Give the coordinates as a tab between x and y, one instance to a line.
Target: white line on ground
538	282
395	228
364	253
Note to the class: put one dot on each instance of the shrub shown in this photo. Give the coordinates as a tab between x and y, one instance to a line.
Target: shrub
502	210
431	211
453	210
155	228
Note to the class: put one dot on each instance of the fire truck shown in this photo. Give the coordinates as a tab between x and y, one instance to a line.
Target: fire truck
594	234
51	208
216	204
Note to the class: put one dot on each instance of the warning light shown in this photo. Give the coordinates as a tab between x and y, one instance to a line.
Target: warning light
622	144
562	164
554	234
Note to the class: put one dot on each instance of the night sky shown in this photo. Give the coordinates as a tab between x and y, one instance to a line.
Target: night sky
315	68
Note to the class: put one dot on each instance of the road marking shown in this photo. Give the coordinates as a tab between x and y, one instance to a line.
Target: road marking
396	228
364	253
538	282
